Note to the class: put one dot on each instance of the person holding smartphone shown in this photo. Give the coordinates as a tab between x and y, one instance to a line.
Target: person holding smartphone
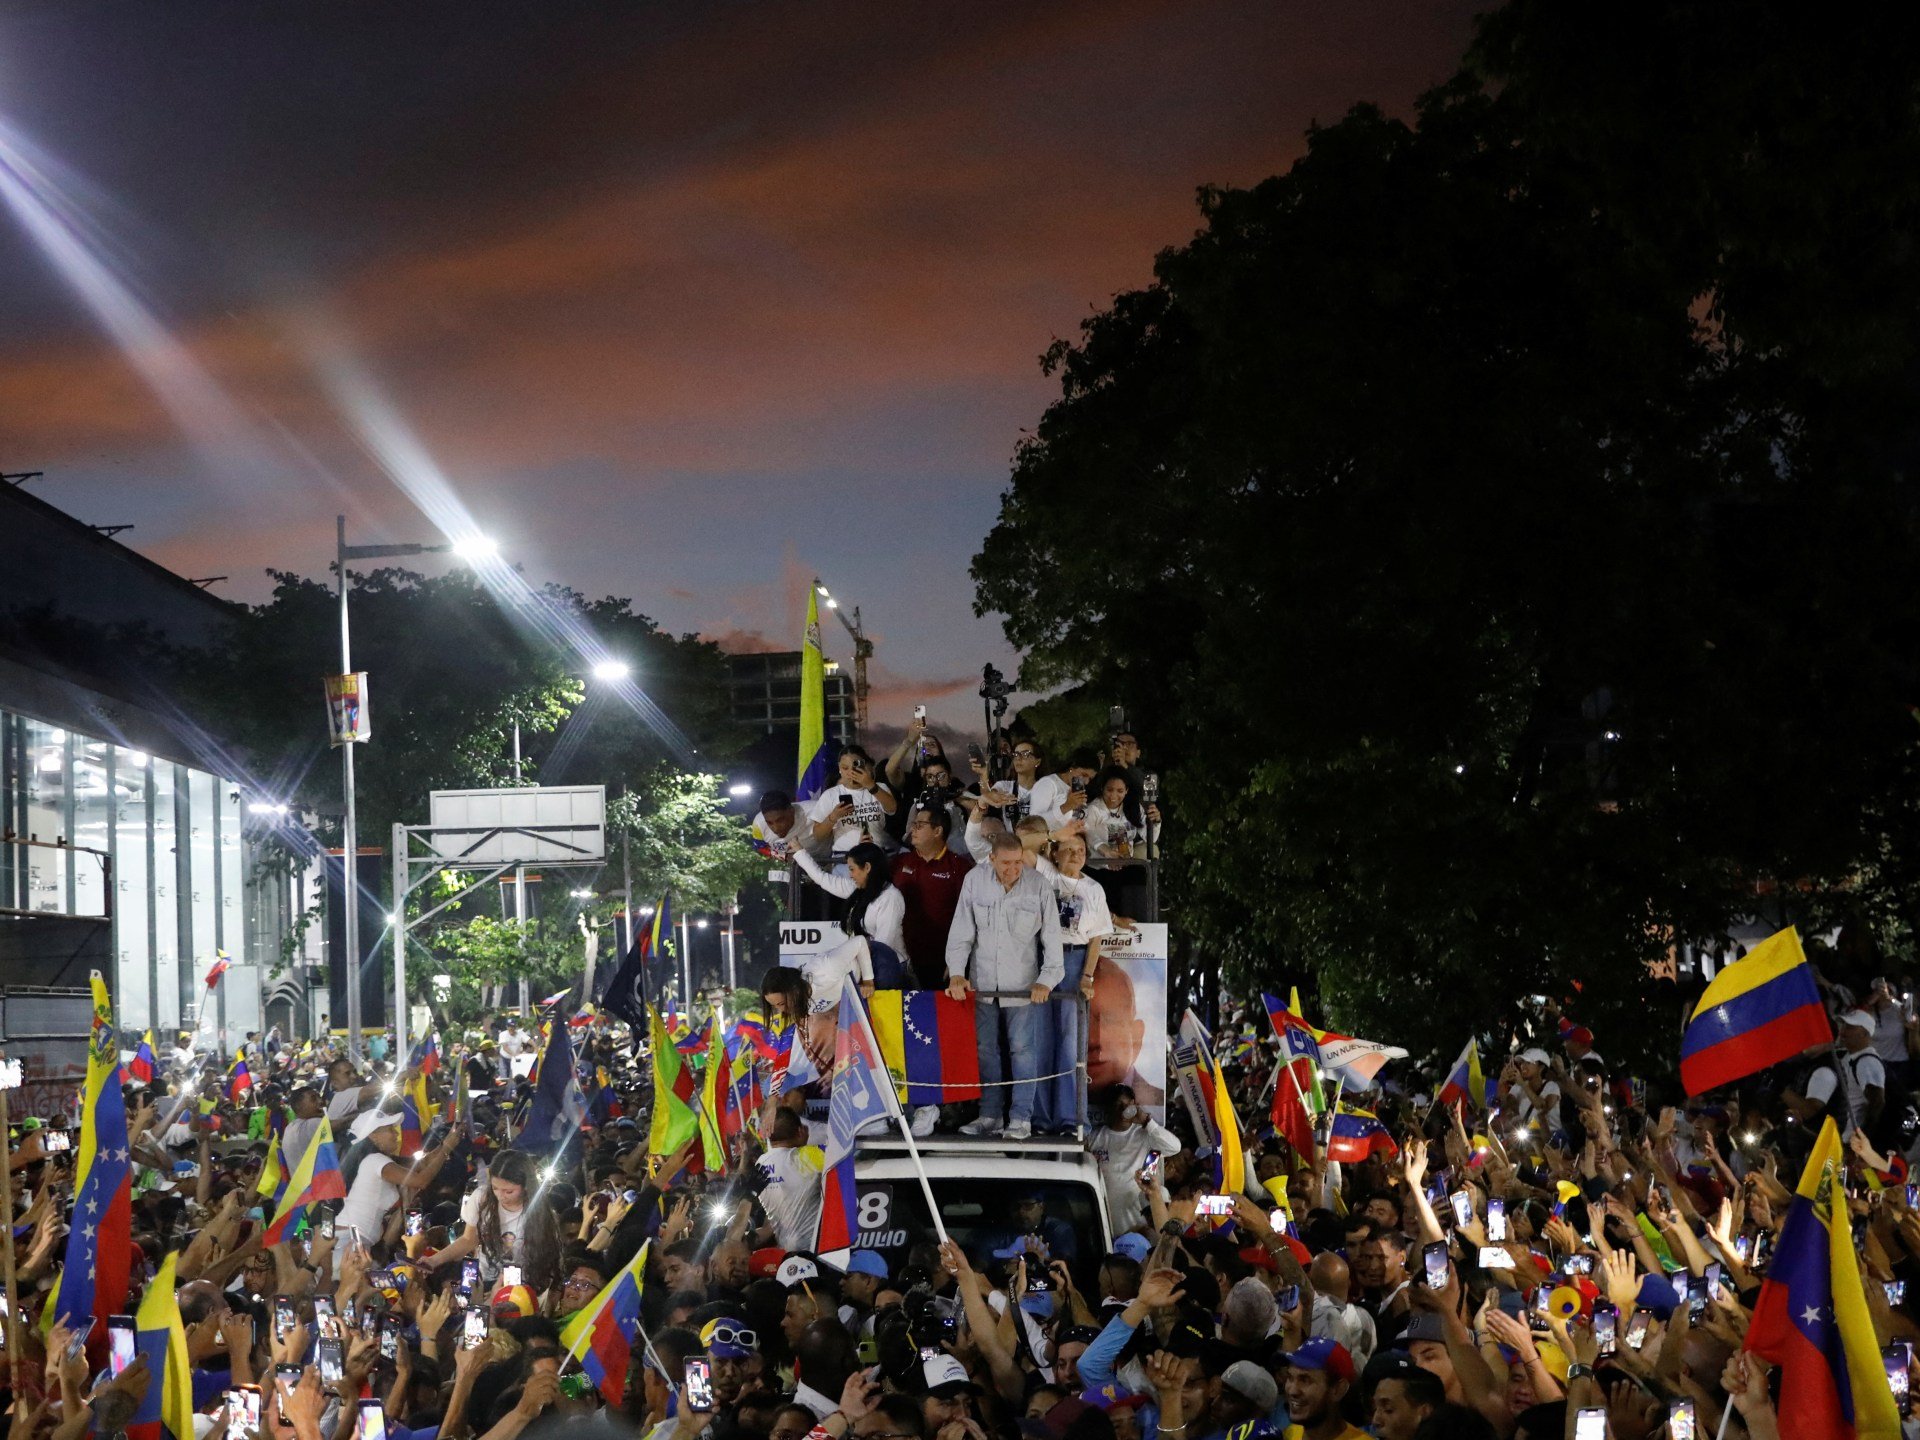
854	810
507	1222
1127	1139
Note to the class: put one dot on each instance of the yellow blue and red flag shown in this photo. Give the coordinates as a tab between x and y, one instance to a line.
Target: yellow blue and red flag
1811	1318
1757	1012
239	1078
927	1039
860	1094
316	1178
143	1066
166	1408
1357	1134
814	769
93	1284
600	1336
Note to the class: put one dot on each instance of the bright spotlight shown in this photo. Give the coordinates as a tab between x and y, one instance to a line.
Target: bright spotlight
611	670
394	918
476	547
822	589
832	604
265	807
701	923
581	894
740	787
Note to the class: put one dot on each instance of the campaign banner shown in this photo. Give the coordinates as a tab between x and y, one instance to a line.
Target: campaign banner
1127	1017
348	722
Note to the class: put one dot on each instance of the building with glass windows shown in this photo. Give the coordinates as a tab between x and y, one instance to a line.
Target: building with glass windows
126	840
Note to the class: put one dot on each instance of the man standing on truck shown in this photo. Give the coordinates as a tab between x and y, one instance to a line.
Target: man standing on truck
1006	938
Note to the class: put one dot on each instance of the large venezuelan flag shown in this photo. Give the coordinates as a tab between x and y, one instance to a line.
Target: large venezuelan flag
1811	1319
927	1038
167	1405
1757	1012
93	1283
316	1178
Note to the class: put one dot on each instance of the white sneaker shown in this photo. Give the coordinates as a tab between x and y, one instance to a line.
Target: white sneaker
985	1125
1017	1130
924	1119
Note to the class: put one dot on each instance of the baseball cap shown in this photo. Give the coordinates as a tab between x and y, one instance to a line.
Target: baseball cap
1254	1384
1135	1246
764	1263
1862	1018
1536	1056
946	1377
867	1262
513	1302
1421	1325
1328	1355
1112	1397
796	1269
1658	1295
729	1339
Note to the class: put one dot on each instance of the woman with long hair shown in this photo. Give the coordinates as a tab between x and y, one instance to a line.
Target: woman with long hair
876	911
508	1222
1117	826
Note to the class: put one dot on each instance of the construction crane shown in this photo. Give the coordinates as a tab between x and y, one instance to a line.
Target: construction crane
862	648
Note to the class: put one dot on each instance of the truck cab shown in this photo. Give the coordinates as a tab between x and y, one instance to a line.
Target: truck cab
991	1194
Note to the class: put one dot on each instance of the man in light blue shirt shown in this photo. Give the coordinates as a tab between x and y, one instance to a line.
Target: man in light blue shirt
1006	937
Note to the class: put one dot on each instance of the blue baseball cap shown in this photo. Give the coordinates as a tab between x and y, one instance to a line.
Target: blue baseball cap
867	1262
1658	1295
1135	1246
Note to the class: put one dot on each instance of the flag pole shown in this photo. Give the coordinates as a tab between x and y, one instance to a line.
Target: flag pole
894	1110
12	1321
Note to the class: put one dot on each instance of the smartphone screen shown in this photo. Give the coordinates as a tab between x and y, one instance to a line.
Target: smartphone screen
1579	1265
1713	1279
1606	1321
282	1316
1288	1297
1216	1205
1696	1297
699	1384
326	1227
1462	1208
120	1348
331	1366
390	1338
1637	1328
1434	1258
249	1410
1496	1220
325	1321
1590	1424
469	1275
1899	1366
287	1376
416	1221
371	1423
473	1331
509	1274
1680	1416
1896	1292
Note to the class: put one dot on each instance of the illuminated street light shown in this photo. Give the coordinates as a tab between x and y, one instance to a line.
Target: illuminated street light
476	547
611	670
740	788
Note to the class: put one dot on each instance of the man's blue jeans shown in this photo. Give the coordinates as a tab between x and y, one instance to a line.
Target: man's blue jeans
1024	1026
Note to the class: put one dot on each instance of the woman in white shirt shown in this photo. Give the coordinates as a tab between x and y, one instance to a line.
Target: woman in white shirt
1084	921
878	911
854	811
507	1223
1117	828
383	1179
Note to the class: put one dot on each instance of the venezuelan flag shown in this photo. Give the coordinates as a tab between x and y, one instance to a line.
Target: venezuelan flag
239	1079
426	1056
927	1040
601	1335
1811	1319
813	770
1356	1134
1757	1012
159	1335
1465	1081
316	1178
93	1284
273	1175
1229	1153
143	1066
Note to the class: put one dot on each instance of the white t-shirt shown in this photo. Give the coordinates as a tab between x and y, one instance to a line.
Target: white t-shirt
1863	1070
371	1197
511	1224
513	1043
1108	830
885	916
1049	799
1890	1034
867	822
1084	915
795	1179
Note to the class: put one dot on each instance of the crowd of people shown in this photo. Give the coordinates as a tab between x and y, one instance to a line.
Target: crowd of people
1574	1251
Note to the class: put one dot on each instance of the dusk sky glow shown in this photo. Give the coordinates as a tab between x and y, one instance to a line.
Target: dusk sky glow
688	303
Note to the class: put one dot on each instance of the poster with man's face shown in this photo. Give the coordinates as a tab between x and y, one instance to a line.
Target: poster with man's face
1127	1018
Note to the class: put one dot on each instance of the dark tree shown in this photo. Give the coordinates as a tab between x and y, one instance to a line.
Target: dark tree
1501	524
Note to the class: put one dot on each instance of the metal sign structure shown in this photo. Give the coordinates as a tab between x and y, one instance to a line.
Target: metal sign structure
491	831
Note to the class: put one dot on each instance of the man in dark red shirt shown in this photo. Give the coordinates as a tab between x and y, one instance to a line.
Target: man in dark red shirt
928	876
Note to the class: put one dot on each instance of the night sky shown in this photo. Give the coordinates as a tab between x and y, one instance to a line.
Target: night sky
688	301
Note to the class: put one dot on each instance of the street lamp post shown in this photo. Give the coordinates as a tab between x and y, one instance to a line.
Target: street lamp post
473	549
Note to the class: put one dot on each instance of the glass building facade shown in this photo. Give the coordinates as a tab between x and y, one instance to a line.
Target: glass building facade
158	848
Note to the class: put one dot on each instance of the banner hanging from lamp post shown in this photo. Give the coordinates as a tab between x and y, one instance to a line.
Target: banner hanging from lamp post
348	722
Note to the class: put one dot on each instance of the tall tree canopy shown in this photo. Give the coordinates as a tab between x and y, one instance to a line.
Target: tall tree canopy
1500	525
